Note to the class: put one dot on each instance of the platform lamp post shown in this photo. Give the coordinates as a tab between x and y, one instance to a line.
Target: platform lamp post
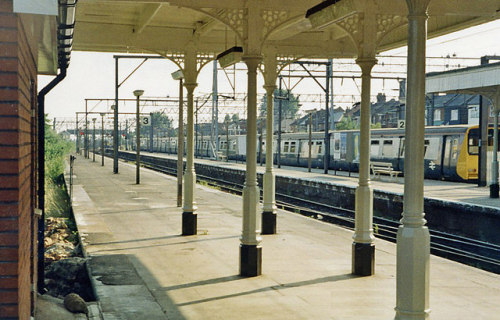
93	140
102	138
178	75
138	94
494	188
227	140
309	160
278	160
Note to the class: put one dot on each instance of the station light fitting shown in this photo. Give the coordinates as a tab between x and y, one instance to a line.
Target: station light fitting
138	93
327	12
178	75
230	56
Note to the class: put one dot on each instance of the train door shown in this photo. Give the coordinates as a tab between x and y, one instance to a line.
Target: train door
450	157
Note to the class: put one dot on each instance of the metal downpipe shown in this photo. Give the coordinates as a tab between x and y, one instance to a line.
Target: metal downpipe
41	174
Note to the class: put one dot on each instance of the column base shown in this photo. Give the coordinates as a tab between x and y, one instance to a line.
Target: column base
363	259
189	223
250	260
402	315
494	190
268	222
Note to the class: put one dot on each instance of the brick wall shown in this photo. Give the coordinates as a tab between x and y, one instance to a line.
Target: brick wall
17	180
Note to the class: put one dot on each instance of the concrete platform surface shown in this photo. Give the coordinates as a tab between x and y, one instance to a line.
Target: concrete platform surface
144	269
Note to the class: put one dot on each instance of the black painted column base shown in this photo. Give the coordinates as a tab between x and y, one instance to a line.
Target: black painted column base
189	223
363	259
250	260
494	190
268	222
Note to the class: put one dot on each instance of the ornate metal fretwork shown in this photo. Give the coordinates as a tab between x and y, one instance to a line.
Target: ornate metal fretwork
175	57
387	23
273	18
353	25
284	61
179	59
202	59
234	18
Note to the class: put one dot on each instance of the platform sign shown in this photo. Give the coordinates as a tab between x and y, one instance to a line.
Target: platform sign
145	120
401	124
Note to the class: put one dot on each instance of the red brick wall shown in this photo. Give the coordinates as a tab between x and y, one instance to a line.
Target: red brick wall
17	181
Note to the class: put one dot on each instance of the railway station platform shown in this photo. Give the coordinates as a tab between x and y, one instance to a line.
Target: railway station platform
142	268
435	189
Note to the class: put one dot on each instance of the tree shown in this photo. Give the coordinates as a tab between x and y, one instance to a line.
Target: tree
162	122
346	124
227	118
289	104
236	118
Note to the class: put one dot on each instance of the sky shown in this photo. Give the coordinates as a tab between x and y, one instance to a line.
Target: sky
91	74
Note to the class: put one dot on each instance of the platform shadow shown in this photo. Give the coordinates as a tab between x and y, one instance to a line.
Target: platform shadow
260	290
166	244
137	240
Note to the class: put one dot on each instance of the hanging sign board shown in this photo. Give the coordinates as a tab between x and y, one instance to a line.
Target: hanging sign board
401	124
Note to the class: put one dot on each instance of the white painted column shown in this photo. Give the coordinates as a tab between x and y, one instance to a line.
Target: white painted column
413	240
269	208
250	249
189	216
363	248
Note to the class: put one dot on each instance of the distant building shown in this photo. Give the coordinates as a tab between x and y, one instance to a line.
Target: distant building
318	120
452	109
447	109
387	113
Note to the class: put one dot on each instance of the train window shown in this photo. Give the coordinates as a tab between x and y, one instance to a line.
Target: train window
292	146
387	148
320	146
337	145
473	142
454	149
286	146
374	147
426	145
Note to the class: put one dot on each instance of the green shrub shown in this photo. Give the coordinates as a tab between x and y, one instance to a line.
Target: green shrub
56	149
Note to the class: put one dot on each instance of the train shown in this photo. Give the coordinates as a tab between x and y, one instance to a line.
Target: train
451	152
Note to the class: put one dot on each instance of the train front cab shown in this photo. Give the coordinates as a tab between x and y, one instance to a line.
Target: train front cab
450	153
468	168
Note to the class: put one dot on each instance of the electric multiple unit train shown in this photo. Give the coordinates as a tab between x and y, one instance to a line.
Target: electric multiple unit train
451	152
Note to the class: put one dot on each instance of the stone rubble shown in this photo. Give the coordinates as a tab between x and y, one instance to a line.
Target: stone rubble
65	269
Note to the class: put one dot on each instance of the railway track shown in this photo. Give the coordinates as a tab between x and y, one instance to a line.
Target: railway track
469	251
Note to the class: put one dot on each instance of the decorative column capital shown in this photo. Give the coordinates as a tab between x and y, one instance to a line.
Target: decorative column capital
270	88
190	86
366	64
252	61
417	8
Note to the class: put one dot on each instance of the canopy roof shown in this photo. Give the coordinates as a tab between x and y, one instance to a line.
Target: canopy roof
155	26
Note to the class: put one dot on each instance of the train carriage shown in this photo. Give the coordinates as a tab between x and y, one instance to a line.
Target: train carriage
450	152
